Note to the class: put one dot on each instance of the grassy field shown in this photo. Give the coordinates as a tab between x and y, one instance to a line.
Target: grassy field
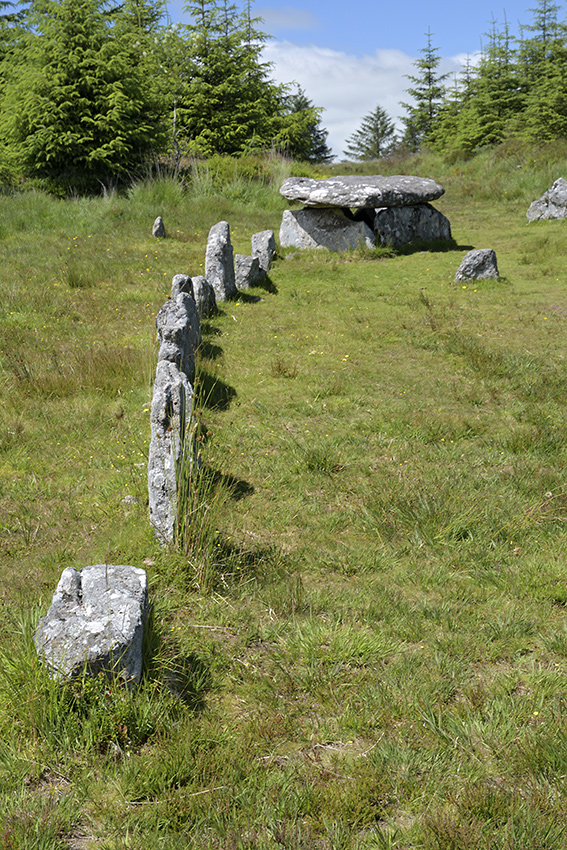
361	640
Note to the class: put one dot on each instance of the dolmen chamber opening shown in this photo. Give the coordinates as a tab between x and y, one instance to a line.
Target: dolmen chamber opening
345	212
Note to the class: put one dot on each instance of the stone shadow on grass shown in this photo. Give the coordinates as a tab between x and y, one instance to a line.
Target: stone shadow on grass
213	393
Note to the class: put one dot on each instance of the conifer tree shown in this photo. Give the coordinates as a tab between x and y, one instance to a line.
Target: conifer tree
301	135
77	111
374	138
427	91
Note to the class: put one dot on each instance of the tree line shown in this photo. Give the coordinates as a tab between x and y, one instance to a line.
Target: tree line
517	88
91	91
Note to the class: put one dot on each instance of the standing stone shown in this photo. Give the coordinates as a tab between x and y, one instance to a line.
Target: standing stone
396	226
247	272
168	453
95	623
552	204
181	283
323	228
204	296
264	247
179	333
477	265
158	229
219	261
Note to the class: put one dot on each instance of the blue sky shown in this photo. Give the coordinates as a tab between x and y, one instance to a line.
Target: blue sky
350	57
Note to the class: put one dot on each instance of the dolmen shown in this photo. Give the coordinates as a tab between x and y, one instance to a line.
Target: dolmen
346	212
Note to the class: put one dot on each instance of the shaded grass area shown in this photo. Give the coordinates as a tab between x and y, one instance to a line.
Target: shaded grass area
360	641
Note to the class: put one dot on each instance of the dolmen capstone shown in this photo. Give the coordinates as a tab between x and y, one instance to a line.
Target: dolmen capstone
95	623
179	334
551	205
477	265
344	212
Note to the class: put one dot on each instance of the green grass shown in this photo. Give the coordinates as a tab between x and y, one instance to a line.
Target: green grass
360	641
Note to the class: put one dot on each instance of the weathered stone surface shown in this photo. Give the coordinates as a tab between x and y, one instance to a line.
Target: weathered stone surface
354	191
323	228
179	332
181	283
477	265
158	229
552	204
219	261
264	247
169	418
247	271
95	622
204	296
399	225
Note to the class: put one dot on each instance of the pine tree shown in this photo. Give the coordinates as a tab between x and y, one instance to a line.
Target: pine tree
77	112
228	102
301	135
375	137
427	91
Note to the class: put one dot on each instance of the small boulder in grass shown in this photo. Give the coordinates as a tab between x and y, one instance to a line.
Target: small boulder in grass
95	623
478	265
158	229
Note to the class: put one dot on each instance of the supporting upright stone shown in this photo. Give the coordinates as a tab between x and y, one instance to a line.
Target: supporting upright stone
95	623
323	228
219	262
395	226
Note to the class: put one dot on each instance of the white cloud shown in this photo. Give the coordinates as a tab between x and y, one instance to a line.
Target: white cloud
287	17
347	86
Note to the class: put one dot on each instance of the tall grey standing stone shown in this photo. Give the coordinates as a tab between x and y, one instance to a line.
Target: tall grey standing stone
204	296
477	265
264	247
323	228
169	451
95	623
158	229
179	332
552	204
247	272
219	262
396	226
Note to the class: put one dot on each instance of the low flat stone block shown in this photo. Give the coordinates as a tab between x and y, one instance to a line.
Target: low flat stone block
477	265
354	191
323	228
95	622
